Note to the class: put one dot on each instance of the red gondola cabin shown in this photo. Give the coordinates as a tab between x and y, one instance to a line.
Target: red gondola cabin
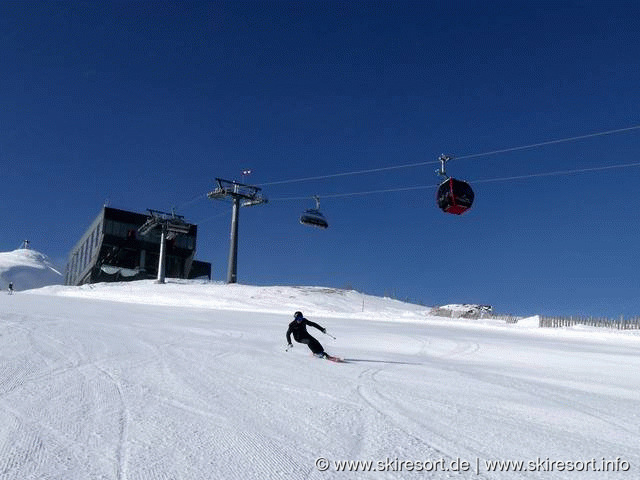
454	196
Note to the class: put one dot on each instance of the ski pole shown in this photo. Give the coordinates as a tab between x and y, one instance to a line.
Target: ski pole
288	348
330	335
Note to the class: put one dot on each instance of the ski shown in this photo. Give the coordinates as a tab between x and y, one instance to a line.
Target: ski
331	358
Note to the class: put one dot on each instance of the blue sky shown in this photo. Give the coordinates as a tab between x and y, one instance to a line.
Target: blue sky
144	104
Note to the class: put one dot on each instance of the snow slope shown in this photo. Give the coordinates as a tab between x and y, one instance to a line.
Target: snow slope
191	381
27	269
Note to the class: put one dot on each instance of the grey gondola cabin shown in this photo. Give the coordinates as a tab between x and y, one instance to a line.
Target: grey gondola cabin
313	217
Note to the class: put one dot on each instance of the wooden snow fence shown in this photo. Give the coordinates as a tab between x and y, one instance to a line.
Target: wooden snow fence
621	323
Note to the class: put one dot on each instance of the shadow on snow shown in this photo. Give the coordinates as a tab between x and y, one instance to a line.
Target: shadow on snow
379	361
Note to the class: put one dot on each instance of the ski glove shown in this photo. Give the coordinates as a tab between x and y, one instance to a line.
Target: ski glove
324	330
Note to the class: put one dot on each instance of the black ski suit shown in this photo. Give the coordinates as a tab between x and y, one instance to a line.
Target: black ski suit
299	330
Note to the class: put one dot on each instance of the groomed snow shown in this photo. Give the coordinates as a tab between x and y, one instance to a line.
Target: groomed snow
191	380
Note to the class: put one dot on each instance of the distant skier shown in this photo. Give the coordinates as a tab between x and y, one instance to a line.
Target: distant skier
299	329
10	288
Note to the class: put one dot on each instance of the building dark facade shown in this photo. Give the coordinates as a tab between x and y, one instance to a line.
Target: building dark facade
112	250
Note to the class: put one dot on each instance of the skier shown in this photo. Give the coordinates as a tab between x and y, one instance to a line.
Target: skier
10	288
299	329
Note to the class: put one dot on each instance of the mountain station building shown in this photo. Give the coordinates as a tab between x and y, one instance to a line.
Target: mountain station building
113	250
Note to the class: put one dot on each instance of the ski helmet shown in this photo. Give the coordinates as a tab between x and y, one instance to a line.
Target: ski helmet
297	315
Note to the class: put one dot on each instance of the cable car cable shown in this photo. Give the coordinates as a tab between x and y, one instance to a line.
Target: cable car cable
485	180
345	174
558	173
457	157
355	194
549	142
192	201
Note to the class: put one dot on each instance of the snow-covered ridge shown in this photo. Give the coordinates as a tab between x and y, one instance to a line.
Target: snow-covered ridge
313	301
27	269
